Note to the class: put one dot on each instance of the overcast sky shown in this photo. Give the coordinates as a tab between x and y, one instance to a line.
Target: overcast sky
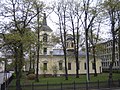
53	18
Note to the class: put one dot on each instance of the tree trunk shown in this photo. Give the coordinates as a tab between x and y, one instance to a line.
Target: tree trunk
119	41
94	63
18	85
113	60
86	6
76	46
17	68
16	58
66	72
30	59
77	65
33	61
17	78
64	44
65	51
38	48
87	55
77	55
19	64
77	49
113	52
93	51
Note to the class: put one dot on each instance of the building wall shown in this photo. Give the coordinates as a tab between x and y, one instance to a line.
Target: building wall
106	55
54	61
48	44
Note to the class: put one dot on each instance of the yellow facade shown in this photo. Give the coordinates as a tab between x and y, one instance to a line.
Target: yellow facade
53	64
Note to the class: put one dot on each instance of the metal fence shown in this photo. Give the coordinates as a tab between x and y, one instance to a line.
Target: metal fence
70	86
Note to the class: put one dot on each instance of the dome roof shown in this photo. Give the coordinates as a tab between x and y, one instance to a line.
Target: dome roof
46	28
70	37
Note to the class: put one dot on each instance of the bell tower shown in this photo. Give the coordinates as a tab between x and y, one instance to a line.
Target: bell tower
45	36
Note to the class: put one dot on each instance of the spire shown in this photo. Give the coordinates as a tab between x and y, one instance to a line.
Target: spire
45	27
44	19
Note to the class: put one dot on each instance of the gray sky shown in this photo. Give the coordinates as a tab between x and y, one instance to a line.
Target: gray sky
53	18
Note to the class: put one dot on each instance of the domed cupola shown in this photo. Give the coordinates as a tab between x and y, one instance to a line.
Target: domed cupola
45	35
70	43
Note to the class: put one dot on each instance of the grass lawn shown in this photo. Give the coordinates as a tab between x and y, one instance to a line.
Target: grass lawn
71	79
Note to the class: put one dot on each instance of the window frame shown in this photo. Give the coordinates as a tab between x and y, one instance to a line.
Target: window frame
45	37
85	66
44	66
60	65
45	51
69	66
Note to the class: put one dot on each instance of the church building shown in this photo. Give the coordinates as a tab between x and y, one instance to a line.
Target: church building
52	56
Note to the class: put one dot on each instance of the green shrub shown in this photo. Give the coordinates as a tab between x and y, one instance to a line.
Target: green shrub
31	77
31	71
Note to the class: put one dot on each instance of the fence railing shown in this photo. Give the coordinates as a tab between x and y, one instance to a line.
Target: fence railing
70	86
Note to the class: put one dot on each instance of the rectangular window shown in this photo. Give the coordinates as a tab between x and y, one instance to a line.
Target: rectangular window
45	51
117	63
117	55
60	66
45	36
85	66
69	66
72	44
45	66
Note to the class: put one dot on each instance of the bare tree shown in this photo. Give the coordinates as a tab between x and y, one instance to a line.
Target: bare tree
75	16
61	11
38	41
93	39
87	23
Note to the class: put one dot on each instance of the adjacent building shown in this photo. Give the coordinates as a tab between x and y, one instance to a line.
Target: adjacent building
106	55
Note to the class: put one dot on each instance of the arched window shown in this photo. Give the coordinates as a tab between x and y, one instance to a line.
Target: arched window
69	66
45	36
